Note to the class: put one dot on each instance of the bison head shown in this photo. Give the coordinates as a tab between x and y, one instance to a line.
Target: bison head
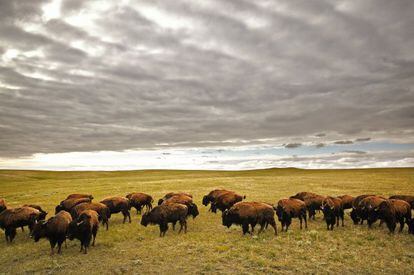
206	200
145	220
226	218
39	230
354	216
72	230
193	210
58	208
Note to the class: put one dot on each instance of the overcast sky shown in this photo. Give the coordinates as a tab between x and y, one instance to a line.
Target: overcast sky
206	84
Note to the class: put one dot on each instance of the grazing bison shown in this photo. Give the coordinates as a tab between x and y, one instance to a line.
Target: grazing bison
118	204
68	204
332	211
250	213
356	213
287	209
84	228
187	201
78	196
140	200
313	204
54	229
172	194
213	195
43	213
303	195
3	205
225	201
167	213
407	198
100	208
367	207
392	211
347	201
12	218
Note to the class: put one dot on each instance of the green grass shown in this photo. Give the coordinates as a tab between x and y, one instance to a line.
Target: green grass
208	247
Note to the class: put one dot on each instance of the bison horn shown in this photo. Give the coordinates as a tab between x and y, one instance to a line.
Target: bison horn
332	207
79	223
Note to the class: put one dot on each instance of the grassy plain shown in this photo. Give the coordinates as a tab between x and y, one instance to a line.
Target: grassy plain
208	247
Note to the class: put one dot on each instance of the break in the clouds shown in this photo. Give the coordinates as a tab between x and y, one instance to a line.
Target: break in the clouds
139	76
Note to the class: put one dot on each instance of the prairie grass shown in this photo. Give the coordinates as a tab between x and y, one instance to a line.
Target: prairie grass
208	247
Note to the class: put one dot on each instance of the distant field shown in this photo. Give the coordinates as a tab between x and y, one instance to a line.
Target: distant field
208	247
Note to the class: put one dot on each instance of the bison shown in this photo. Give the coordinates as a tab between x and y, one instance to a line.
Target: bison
166	213
332	211
347	201
140	200
356	212
303	195
68	204
407	198
12	218
249	213
187	201
118	204
313	204
392	211
100	208
225	201
287	209
213	195
54	229
172	194
84	228
367	207
78	196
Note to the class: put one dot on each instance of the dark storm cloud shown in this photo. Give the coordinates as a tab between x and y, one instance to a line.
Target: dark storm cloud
179	73
292	145
362	139
343	142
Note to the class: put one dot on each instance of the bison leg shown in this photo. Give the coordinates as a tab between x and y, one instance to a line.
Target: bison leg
401	224
183	223
174	223
22	227
60	246
94	232
306	221
300	220
245	228
52	247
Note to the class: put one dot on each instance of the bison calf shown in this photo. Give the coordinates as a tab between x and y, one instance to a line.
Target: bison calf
84	228
166	213
54	229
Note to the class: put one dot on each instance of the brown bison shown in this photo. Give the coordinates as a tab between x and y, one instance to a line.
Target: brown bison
213	195
68	204
140	200
287	209
3	205
12	218
78	196
411	226
187	201
42	215
226	201
313	202
167	213
407	198
84	228
100	208
367	206
332	212
347	201
392	211
54	229
172	194
356	212
118	204
250	213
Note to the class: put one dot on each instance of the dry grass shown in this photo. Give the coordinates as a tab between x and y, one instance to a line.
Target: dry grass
208	246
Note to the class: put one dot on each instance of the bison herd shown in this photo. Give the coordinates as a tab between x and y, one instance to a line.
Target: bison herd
78	217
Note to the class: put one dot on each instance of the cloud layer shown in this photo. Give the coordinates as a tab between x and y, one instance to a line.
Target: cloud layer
81	76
